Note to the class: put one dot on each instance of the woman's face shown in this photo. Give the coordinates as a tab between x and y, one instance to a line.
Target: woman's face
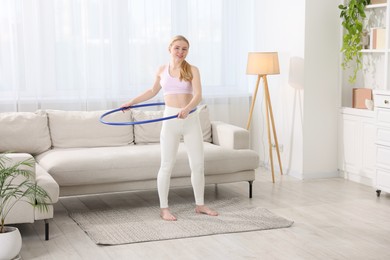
179	50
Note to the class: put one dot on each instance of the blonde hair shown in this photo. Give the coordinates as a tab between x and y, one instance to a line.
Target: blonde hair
185	68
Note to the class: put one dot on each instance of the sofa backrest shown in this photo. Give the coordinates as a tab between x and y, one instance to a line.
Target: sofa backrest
69	129
35	133
150	133
24	132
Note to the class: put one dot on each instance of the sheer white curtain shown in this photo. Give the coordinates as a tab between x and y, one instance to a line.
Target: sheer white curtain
95	54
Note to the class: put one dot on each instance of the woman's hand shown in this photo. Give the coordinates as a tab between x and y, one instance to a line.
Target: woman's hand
183	113
126	106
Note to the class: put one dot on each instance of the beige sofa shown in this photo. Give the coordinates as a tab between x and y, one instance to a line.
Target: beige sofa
78	155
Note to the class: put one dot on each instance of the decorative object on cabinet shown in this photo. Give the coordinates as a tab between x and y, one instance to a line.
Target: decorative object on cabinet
263	64
353	14
366	39
369	104
359	95
382	109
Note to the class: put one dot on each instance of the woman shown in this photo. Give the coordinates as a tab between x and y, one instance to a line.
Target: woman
182	89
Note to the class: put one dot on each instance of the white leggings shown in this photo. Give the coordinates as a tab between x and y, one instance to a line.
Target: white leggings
171	132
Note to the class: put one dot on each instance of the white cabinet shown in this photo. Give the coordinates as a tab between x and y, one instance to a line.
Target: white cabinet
357	150
382	112
364	154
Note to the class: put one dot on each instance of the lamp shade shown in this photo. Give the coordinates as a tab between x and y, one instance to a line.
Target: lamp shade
262	63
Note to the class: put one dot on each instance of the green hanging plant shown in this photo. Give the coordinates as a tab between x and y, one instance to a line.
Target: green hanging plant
353	15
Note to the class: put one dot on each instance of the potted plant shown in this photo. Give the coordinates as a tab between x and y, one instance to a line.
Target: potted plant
353	14
17	184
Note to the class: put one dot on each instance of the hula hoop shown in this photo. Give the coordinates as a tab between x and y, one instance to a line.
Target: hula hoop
138	122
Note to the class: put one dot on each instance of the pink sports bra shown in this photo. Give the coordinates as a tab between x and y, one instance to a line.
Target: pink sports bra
172	85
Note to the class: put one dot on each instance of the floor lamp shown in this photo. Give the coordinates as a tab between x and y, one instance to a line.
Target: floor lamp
263	64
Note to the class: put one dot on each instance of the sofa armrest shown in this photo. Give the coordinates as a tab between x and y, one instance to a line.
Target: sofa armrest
47	182
24	212
21	212
19	157
229	136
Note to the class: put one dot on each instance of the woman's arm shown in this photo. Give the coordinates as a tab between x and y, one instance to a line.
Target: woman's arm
197	95
149	93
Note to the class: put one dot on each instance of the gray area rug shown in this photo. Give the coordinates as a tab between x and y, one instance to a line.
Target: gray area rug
116	226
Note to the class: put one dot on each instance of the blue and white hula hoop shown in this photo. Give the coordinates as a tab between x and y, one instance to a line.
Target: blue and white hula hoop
138	122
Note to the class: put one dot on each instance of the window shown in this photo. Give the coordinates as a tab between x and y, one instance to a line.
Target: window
79	52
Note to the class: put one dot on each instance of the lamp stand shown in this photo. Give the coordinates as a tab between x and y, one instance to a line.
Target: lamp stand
253	102
269	117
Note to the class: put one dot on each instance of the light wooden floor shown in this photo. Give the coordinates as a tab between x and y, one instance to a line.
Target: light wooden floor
334	219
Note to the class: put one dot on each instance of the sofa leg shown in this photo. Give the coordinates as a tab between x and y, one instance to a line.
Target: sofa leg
250	188
46	229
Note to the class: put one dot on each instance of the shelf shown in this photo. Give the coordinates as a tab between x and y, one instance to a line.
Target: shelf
375	72
374	50
376	6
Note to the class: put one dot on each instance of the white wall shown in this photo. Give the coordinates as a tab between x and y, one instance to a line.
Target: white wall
281	28
304	96
322	51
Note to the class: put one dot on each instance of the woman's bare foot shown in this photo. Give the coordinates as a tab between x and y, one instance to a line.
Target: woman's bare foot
205	210
166	215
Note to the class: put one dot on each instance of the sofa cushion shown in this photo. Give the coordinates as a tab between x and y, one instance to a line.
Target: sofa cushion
147	133
150	133
83	129
88	166
205	123
24	132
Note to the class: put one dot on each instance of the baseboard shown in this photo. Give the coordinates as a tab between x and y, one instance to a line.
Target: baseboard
358	178
301	175
322	175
